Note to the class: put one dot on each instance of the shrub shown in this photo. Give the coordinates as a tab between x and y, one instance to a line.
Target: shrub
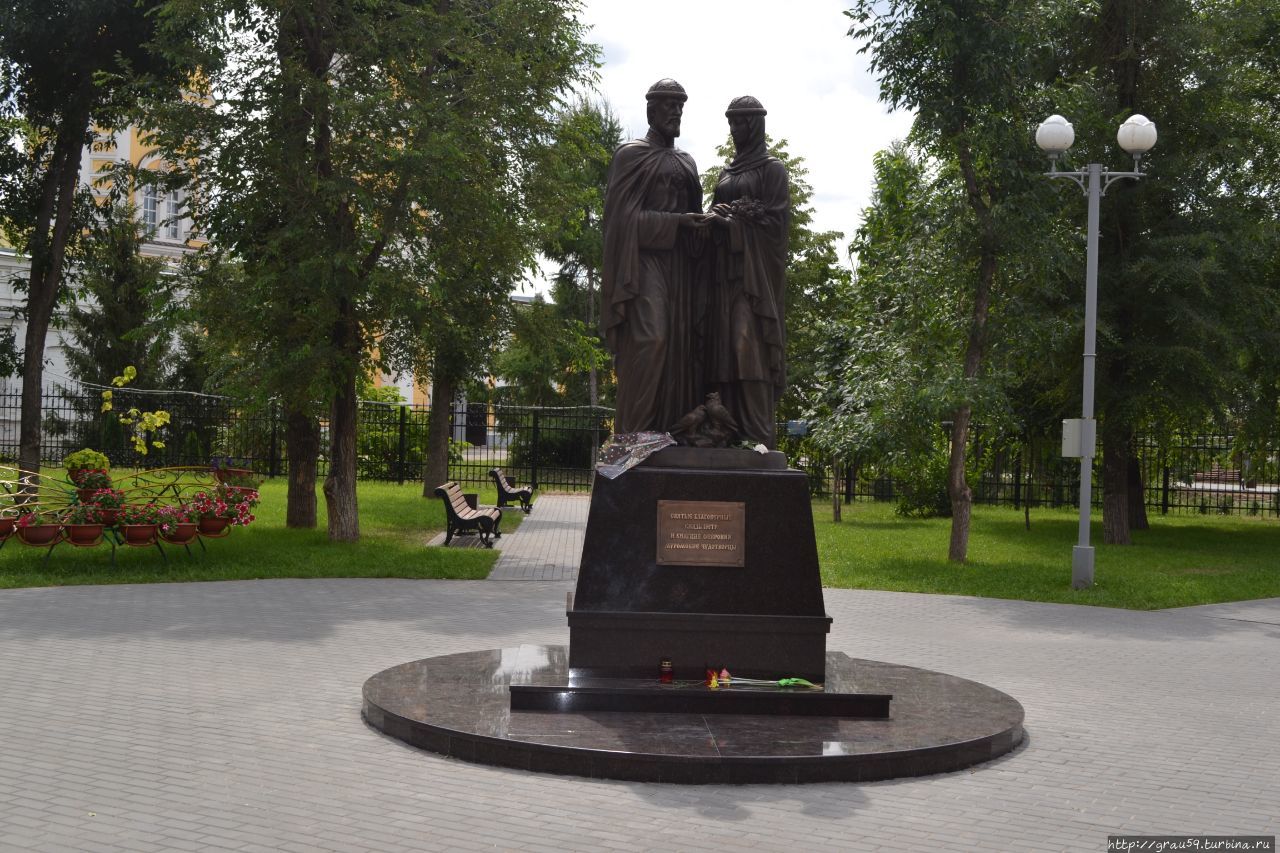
921	484
562	442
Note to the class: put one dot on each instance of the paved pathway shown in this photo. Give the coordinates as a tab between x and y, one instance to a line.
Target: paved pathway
547	545
226	716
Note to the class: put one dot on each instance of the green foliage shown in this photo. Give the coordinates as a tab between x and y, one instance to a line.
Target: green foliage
10	355
66	68
921	485
547	355
555	355
86	458
122	314
375	163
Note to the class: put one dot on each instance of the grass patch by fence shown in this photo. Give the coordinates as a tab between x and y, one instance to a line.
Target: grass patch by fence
1180	561
396	523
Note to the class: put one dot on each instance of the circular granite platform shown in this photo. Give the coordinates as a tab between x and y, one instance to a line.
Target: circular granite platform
459	705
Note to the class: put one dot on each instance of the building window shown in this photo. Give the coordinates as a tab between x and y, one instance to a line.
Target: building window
150	205
173	217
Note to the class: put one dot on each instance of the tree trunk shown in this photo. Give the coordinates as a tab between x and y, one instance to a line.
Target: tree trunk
48	246
340	484
835	492
1115	484
957	488
439	426
1137	496
302	440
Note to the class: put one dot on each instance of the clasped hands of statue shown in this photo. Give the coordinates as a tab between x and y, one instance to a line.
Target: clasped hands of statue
719	216
701	223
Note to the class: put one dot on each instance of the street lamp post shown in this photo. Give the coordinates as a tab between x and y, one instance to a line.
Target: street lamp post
1054	136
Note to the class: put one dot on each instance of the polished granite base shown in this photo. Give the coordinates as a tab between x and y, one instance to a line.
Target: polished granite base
459	705
635	695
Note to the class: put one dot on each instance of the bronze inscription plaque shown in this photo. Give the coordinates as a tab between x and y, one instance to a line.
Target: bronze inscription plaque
702	533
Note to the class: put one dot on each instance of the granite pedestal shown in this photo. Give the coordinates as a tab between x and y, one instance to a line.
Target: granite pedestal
754	606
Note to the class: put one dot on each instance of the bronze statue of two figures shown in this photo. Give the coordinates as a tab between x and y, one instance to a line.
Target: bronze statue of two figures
698	555
692	302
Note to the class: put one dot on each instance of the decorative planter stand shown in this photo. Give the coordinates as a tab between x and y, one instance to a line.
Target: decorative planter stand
40	535
182	534
214	528
83	535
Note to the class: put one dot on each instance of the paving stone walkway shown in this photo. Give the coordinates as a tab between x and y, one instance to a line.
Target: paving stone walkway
226	717
547	545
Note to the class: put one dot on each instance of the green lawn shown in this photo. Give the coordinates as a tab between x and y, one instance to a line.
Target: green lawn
1181	560
396	522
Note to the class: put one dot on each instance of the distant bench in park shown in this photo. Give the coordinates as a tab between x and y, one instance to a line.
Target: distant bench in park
509	494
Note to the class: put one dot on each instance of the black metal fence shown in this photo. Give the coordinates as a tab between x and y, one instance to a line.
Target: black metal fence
554	448
1202	474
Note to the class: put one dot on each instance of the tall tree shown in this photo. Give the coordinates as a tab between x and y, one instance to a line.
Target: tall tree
965	67
1184	276
367	164
585	137
122	313
548	352
65	68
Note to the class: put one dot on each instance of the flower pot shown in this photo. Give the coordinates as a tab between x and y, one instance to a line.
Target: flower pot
109	516
6	527
181	533
83	535
39	534
213	526
85	495
224	474
138	534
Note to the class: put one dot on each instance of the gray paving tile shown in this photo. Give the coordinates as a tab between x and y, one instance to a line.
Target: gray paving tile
227	716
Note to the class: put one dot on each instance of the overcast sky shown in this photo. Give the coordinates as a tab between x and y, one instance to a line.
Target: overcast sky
794	56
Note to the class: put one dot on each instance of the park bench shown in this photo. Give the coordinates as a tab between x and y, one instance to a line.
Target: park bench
508	494
1219	475
461	518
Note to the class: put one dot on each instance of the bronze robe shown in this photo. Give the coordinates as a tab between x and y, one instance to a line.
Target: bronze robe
746	348
647	310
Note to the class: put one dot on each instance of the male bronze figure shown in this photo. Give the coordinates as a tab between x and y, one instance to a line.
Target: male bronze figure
652	237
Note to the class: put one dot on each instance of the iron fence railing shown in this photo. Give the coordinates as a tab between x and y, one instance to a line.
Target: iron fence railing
555	448
551	448
1202	474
